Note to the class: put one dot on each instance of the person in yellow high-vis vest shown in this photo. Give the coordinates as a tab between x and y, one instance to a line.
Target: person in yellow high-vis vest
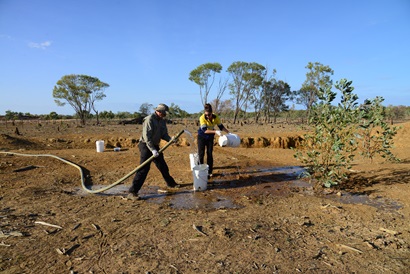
206	134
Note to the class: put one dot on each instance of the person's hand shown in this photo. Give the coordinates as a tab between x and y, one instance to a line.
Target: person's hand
155	153
218	132
174	140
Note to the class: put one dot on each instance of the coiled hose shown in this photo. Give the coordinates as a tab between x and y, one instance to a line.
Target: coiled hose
94	191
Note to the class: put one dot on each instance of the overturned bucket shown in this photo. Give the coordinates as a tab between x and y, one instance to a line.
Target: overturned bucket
200	173
100	145
229	140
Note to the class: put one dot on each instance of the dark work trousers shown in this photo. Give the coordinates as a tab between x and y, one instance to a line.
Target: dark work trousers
141	174
208	144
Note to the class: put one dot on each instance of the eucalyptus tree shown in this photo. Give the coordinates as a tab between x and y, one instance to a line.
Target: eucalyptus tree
80	92
177	112
317	77
222	86
225	107
260	95
145	109
246	78
277	92
204	77
263	98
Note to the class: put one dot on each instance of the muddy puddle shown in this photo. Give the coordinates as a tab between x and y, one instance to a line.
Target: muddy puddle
177	199
226	188
363	199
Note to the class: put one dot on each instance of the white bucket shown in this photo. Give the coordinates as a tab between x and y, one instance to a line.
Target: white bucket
200	173
229	140
100	145
194	160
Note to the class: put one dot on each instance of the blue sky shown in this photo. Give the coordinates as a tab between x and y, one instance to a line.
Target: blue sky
145	50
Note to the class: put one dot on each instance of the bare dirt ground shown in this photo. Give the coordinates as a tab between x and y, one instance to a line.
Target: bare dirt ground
255	217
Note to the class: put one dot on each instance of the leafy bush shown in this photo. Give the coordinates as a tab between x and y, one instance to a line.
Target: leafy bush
375	134
330	148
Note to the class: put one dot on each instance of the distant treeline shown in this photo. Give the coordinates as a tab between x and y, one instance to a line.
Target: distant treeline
392	113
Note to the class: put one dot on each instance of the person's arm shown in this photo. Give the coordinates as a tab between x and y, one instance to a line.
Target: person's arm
165	136
220	125
223	128
208	131
147	132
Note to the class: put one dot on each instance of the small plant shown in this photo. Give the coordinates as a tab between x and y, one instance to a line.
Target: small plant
329	150
375	134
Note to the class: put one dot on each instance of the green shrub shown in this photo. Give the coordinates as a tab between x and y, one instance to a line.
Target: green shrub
330	148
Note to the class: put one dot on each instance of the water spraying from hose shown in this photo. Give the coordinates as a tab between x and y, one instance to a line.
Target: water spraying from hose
193	156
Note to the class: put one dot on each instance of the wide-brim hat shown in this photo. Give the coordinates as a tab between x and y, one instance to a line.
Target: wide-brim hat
162	108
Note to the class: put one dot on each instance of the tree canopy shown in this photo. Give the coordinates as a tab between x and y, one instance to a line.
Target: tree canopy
80	92
318	77
247	77
204	77
146	109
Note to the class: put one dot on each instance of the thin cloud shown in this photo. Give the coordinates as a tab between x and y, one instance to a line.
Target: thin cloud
7	37
42	45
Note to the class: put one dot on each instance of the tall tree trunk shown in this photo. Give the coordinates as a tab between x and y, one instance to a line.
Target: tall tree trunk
98	120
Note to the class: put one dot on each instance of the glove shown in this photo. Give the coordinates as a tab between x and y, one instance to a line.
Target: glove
155	153
174	140
218	132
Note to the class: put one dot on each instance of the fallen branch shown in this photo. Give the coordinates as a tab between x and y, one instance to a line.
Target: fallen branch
71	249
11	233
199	230
371	245
76	226
350	248
392	232
60	251
174	267
47	224
328	264
3	244
329	205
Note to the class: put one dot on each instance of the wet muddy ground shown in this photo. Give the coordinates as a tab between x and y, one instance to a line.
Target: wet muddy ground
276	182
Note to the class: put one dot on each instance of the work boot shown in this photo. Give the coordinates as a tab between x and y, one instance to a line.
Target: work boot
133	196
174	186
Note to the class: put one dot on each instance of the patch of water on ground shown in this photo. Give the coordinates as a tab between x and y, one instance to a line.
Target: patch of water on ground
273	177
177	199
276	181
378	202
190	199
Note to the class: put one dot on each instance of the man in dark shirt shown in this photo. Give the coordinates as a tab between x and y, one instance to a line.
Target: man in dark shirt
154	129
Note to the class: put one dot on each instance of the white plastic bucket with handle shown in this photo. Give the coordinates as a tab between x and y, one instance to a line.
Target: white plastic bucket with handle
194	160
200	173
100	145
229	140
